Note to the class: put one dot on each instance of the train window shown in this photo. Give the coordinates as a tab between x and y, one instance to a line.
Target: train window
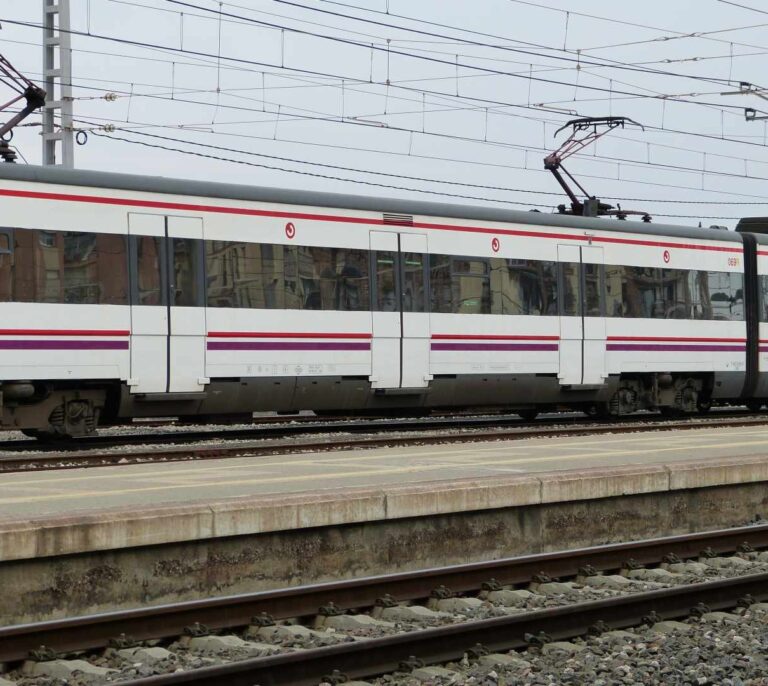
523	287
148	270
762	284
592	289
245	275
614	284
471	285
677	294
641	293
186	272
6	266
414	282
65	267
726	294
266	276
440	283
331	278
94	268
548	271
350	274
570	274
386	286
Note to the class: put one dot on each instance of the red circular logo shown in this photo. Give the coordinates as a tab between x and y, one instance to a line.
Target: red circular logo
667	257
495	245
290	230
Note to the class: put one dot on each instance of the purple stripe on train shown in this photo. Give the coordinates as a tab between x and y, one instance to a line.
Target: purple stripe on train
258	345
501	347
62	345
672	347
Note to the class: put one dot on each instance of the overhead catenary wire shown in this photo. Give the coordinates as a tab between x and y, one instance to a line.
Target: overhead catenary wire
394	84
455	137
358	181
198	53
451	64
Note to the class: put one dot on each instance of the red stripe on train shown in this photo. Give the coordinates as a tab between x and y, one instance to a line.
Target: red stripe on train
64	332
154	204
682	339
490	337
285	334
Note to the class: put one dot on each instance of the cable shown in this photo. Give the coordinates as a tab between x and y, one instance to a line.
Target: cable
369	183
355	79
313	174
334	119
610	63
399	176
680	34
326	165
435	60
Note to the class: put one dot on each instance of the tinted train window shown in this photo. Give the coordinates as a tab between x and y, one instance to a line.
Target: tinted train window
65	267
570	274
245	275
440	283
386	286
333	278
592	290
265	276
647	292
414	282
726	294
461	285
186	262
523	287
471	285
762	282
148	270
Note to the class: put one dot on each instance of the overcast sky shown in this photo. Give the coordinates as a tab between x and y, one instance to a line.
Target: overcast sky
476	92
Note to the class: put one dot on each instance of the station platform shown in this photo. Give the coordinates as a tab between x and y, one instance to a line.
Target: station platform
154	532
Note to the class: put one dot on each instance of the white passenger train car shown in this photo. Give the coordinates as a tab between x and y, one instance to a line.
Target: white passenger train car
125	296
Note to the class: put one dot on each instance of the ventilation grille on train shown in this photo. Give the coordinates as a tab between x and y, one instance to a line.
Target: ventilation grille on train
399	219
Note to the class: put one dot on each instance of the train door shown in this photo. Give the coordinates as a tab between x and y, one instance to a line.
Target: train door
400	320
168	325
582	323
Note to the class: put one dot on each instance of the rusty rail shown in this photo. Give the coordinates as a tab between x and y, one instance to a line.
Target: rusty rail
382	655
95	631
491	429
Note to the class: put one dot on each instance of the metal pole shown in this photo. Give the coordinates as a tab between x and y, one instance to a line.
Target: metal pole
57	41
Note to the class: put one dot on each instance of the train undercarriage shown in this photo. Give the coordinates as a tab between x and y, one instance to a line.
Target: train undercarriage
52	410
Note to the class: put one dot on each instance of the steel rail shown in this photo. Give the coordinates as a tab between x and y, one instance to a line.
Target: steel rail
310	425
383	438
379	656
95	631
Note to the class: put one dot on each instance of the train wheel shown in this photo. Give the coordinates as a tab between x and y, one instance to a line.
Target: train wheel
754	405
528	415
704	405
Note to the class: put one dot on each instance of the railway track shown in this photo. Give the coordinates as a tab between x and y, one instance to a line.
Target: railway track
314	436
485	605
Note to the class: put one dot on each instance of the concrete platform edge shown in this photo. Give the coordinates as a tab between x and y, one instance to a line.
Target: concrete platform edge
121	528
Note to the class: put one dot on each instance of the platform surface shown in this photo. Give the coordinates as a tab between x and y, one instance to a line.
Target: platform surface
232	496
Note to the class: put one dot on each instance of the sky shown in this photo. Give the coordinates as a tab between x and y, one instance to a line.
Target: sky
452	101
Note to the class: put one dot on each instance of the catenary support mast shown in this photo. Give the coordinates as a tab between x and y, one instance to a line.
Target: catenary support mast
57	75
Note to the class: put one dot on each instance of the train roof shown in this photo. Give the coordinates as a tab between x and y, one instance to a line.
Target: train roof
210	189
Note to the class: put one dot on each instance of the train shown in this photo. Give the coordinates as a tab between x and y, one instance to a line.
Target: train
126	296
